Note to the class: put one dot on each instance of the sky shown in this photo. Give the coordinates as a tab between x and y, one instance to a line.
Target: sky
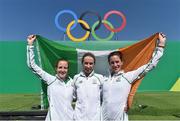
19	18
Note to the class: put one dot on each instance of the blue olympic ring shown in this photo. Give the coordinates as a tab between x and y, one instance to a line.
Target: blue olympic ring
62	12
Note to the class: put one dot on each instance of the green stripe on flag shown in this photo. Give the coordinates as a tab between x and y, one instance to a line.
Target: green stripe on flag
50	52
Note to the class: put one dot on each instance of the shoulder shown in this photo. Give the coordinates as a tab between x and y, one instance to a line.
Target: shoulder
51	79
128	76
76	76
70	79
128	73
105	78
98	75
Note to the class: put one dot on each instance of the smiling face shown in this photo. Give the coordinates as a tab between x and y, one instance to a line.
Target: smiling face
115	61
115	64
62	69
88	65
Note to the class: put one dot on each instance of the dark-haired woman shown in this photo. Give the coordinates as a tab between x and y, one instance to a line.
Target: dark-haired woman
117	86
88	89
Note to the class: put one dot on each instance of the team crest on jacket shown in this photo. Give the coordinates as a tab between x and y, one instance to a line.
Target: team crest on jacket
118	79
80	82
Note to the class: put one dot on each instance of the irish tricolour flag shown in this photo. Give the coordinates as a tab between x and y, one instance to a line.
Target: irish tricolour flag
134	55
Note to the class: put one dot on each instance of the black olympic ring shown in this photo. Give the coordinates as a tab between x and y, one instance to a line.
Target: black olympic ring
93	13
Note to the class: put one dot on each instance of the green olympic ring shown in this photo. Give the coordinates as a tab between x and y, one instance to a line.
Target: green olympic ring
102	39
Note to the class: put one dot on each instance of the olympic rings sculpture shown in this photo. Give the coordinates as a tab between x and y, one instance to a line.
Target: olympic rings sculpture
85	26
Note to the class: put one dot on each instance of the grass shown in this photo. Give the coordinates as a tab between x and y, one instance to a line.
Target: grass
157	105
160	106
18	102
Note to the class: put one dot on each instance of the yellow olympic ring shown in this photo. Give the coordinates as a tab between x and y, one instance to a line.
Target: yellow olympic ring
77	39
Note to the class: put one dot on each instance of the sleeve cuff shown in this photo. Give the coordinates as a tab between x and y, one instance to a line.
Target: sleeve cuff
30	46
161	46
160	49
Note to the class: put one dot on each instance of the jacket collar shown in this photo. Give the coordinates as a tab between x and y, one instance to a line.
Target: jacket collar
90	75
117	74
67	78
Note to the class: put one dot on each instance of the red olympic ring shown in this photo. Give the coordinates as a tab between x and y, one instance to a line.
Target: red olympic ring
117	13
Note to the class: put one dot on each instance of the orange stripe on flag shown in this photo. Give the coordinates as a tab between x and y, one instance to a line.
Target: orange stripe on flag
135	56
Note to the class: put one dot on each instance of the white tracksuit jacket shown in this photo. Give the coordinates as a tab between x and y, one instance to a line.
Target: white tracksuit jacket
60	95
88	90
116	89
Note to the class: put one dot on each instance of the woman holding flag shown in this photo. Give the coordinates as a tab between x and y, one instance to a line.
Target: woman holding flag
117	86
59	87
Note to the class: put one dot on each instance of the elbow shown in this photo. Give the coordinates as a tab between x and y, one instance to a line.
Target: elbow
28	64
